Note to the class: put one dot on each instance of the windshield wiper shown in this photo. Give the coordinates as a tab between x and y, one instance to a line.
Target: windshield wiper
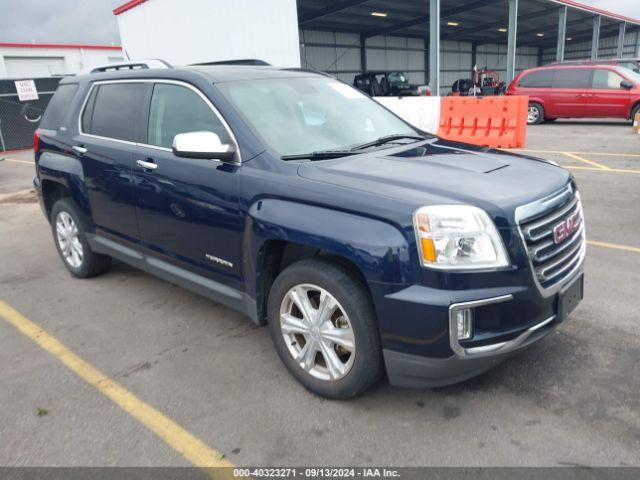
321	155
326	154
387	139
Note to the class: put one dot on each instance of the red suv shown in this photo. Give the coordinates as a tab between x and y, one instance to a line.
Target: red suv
584	91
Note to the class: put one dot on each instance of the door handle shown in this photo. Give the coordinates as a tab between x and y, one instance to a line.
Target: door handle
146	165
79	149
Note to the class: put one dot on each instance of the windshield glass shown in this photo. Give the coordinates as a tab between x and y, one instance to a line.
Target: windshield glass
302	115
631	75
397	77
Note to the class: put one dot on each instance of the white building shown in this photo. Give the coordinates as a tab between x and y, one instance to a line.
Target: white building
434	41
33	60
196	31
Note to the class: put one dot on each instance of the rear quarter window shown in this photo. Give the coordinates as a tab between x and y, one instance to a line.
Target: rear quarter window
56	112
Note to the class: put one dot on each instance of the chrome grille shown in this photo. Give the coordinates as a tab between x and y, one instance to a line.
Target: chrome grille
553	262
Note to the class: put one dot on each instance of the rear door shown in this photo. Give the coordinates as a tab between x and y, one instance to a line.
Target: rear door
569	93
188	209
109	129
608	98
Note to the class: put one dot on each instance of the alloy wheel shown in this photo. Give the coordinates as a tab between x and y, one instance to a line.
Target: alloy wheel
317	332
68	240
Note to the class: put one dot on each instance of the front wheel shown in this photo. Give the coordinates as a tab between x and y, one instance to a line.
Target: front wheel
535	114
324	328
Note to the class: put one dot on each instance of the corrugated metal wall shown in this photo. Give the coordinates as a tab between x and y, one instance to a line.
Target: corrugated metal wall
339	54
397	53
607	48
336	53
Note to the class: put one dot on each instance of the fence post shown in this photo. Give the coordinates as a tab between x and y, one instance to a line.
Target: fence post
2	138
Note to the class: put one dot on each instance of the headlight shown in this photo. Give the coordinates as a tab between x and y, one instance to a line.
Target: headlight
458	237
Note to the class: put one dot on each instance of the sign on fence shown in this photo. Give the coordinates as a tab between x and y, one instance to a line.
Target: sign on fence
26	90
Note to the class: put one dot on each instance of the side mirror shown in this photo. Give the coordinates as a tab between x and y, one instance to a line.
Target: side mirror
205	145
626	84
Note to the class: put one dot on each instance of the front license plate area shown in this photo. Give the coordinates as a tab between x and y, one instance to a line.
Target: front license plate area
570	297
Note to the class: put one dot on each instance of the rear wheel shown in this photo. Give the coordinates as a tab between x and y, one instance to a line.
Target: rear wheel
535	114
71	242
324	328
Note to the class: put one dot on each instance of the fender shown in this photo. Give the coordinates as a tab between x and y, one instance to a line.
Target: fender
538	100
378	249
67	171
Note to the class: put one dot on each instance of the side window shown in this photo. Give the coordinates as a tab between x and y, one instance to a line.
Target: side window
606	79
56	111
88	111
176	109
572	78
537	79
114	110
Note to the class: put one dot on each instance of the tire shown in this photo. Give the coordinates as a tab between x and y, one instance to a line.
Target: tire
358	368
71	242
634	112
535	114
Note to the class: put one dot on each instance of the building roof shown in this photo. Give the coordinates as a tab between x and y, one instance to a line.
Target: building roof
478	21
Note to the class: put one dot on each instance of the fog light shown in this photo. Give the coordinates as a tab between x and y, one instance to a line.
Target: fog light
464	323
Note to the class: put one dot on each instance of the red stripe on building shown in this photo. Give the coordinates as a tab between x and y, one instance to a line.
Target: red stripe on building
571	3
599	11
127	6
60	45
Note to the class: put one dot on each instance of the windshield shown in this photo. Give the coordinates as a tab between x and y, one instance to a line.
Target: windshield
397	77
301	115
631	75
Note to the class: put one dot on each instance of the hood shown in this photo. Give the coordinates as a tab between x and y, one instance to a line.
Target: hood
444	172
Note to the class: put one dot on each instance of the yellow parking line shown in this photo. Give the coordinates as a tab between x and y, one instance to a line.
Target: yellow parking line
190	447
593	169
615	246
587	161
18	161
605	154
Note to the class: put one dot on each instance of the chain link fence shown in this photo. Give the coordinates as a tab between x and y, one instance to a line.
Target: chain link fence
19	120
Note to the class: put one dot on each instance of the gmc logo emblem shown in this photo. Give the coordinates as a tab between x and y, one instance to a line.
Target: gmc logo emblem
564	229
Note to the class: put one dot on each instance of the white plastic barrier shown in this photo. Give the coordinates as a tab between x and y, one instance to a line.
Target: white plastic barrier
421	112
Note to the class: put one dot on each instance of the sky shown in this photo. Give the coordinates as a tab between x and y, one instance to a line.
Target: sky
92	21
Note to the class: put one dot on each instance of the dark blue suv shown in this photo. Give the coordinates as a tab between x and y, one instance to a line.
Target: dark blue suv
364	244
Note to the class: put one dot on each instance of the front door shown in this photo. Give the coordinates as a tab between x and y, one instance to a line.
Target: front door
188	209
608	98
109	129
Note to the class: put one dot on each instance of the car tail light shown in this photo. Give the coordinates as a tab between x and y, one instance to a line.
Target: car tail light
36	141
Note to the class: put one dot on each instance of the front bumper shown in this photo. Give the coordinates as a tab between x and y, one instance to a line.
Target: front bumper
414	371
441	359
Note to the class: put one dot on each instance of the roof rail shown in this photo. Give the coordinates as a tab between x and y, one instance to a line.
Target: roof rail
307	70
244	61
131	65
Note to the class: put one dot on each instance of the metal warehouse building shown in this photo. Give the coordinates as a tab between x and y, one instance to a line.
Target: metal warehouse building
434	41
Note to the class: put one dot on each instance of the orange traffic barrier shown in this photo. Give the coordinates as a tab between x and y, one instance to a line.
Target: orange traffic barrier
499	122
